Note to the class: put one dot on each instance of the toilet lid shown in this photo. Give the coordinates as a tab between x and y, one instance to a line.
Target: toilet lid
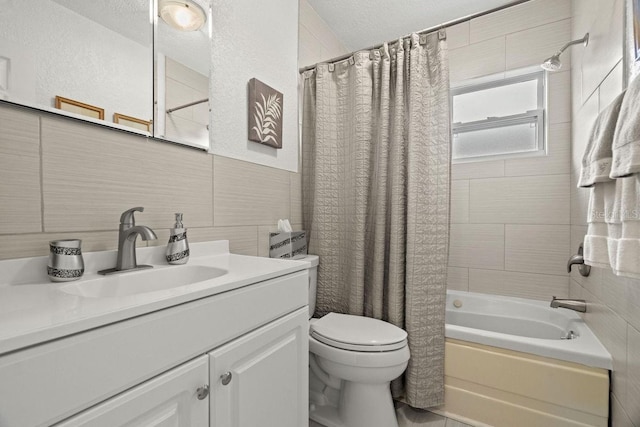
358	333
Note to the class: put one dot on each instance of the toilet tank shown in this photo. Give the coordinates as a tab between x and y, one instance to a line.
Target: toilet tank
312	261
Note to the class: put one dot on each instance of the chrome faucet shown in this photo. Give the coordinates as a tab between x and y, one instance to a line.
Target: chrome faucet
572	304
127	234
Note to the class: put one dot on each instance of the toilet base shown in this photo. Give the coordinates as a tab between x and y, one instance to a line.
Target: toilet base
360	405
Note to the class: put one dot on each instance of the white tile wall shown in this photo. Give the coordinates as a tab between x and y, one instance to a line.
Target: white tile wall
534	45
515	19
477	59
538	199
458	279
540	249
316	40
510	218
613	302
458	35
525	285
477	246
459	202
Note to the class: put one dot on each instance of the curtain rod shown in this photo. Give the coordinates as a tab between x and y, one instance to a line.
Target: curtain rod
426	30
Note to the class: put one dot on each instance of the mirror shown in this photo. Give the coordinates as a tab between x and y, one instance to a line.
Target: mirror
86	59
95	61
182	59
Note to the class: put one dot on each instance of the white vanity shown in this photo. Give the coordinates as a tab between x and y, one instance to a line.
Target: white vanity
229	349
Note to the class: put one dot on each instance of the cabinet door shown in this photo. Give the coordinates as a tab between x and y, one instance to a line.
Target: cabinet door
261	378
171	399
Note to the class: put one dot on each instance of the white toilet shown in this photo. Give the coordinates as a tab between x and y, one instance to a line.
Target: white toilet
352	360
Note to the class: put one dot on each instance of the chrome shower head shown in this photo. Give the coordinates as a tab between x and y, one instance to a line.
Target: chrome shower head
553	63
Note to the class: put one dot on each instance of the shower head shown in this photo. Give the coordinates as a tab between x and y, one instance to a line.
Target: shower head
553	63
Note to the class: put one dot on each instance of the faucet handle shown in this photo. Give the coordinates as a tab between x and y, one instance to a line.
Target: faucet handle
127	216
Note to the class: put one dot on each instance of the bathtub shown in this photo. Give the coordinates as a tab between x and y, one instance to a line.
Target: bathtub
523	325
508	363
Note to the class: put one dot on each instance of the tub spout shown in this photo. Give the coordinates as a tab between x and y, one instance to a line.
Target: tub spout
572	304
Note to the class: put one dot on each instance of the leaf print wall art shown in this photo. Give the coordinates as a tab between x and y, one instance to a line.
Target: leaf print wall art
265	114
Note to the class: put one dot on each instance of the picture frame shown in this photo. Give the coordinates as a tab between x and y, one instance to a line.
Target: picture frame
77	107
265	114
132	122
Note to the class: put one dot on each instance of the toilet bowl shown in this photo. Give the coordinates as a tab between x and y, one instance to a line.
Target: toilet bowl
352	360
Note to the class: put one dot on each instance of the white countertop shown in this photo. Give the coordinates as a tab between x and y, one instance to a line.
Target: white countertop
34	310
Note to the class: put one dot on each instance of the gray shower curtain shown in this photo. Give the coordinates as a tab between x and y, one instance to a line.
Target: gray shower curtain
375	144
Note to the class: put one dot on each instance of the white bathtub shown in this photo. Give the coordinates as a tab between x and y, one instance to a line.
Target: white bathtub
523	325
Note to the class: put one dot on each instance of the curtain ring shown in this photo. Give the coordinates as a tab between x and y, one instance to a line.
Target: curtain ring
332	67
442	34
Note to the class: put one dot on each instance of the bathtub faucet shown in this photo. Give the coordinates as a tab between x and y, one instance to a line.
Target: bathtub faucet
572	304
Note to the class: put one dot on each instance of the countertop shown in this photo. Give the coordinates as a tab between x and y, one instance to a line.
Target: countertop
34	310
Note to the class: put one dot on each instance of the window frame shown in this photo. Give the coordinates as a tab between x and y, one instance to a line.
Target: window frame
537	116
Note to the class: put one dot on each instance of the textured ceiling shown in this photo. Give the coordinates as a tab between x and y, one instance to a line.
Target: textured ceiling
363	23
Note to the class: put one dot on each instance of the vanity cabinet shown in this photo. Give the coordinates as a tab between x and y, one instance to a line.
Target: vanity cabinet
175	398
261	379
149	369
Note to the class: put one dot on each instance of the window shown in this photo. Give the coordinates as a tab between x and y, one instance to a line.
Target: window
498	118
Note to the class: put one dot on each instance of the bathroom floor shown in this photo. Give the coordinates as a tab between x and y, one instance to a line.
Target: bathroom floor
421	419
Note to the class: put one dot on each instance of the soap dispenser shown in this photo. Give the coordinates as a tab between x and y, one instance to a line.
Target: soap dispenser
178	247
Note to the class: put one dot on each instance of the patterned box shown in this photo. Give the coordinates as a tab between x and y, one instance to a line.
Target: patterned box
287	244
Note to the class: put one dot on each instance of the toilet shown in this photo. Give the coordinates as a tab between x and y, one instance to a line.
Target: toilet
352	360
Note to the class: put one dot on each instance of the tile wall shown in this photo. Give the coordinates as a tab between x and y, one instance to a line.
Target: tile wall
62	178
510	231
613	302
316	41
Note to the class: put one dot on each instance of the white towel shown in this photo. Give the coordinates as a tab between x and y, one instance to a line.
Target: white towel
627	242
613	235
596	162
626	140
603	231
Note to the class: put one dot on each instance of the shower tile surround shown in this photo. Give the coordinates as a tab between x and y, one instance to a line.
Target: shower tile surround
614	302
221	198
511	219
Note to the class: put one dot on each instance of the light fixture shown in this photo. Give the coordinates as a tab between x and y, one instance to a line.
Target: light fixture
183	15
553	63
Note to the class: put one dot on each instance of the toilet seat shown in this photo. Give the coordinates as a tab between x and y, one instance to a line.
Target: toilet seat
358	333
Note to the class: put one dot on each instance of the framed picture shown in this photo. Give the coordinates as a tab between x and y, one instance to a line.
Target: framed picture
132	122
73	106
265	114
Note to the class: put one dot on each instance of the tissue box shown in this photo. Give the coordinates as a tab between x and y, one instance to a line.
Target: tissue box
287	244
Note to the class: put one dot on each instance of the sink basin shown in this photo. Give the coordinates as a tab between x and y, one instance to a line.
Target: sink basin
143	281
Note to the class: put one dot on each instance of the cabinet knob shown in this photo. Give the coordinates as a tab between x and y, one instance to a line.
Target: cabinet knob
225	378
202	392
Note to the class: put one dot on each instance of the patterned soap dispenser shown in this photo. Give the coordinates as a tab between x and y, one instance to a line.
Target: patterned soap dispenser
178	247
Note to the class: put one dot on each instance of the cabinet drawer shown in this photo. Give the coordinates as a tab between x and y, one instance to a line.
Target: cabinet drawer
168	399
47	383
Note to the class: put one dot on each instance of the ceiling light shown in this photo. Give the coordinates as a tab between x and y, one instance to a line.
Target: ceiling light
184	15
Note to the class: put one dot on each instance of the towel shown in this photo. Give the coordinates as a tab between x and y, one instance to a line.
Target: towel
626	239
596	162
626	140
603	230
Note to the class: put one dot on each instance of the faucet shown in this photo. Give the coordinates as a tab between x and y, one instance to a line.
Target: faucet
127	234
572	304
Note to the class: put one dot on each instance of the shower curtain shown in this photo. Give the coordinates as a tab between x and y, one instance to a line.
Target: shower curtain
375	143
